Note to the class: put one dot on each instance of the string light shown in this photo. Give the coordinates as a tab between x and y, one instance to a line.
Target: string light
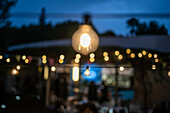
140	55
92	59
106	58
105	54
92	55
122	68
1	57
44	61
117	53
44	57
156	60
153	67
169	73
132	55
150	55
144	52
18	67
78	56
120	57
14	72
26	61
76	60
61	61
155	55
62	57
87	72
53	68
24	57
8	60
128	51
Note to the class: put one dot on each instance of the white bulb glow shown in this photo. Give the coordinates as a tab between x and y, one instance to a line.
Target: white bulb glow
85	40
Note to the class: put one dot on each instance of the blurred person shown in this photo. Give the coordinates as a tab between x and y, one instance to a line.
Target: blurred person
104	93
92	92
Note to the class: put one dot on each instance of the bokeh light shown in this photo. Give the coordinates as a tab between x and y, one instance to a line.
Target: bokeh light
128	51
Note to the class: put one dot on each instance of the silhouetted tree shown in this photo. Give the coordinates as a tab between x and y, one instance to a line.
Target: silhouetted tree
133	23
108	33
42	17
5	5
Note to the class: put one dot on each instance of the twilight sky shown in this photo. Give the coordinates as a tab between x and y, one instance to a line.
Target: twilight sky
118	25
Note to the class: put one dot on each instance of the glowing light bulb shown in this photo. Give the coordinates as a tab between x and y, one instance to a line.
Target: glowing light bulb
92	59
44	57
76	60
14	71
155	55
144	52
8	60
117	53
1	57
62	57
44	61
85	40
128	51
92	55
122	68
150	55
140	55
26	61
105	54
120	57
153	67
18	67
61	61
78	56
156	60
169	73
132	55
24	57
87	72
106	58
53	68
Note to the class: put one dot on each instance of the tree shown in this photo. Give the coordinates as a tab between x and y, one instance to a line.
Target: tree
42	17
5	5
133	23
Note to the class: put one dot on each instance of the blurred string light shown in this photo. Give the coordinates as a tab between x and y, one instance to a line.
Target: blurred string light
153	67
106	58
78	56
76	90
117	53
156	60
44	61
3	106
46	72
24	57
44	57
1	57
18	67
92	55
155	55
26	61
120	57
87	72
128	51
62	57
150	55
122	68
132	55
61	61
144	52
8	60
75	73
15	72
53	68
76	60
105	54
92	59
140	55
169	73
17	98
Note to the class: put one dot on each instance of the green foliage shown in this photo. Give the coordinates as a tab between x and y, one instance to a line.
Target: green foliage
143	29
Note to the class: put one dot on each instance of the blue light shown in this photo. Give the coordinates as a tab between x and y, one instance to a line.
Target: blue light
38	97
3	106
92	75
17	97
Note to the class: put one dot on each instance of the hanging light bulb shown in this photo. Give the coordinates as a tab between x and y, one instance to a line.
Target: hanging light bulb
14	71
18	67
53	68
85	40
87	72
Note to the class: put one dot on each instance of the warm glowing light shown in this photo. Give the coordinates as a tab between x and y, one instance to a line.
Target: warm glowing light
150	55
61	61
26	61
18	67
92	55
122	68
169	73
14	72
106	58
105	54
24	57
156	60
128	51
92	59
76	60
77	90
8	60
144	52
85	40
155	55
62	57
44	61
53	68
44	57
1	57
120	57
78	56
46	72
132	55
75	74
117	53
140	55
87	72
153	67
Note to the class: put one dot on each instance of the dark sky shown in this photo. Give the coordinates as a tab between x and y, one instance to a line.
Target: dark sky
94	6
